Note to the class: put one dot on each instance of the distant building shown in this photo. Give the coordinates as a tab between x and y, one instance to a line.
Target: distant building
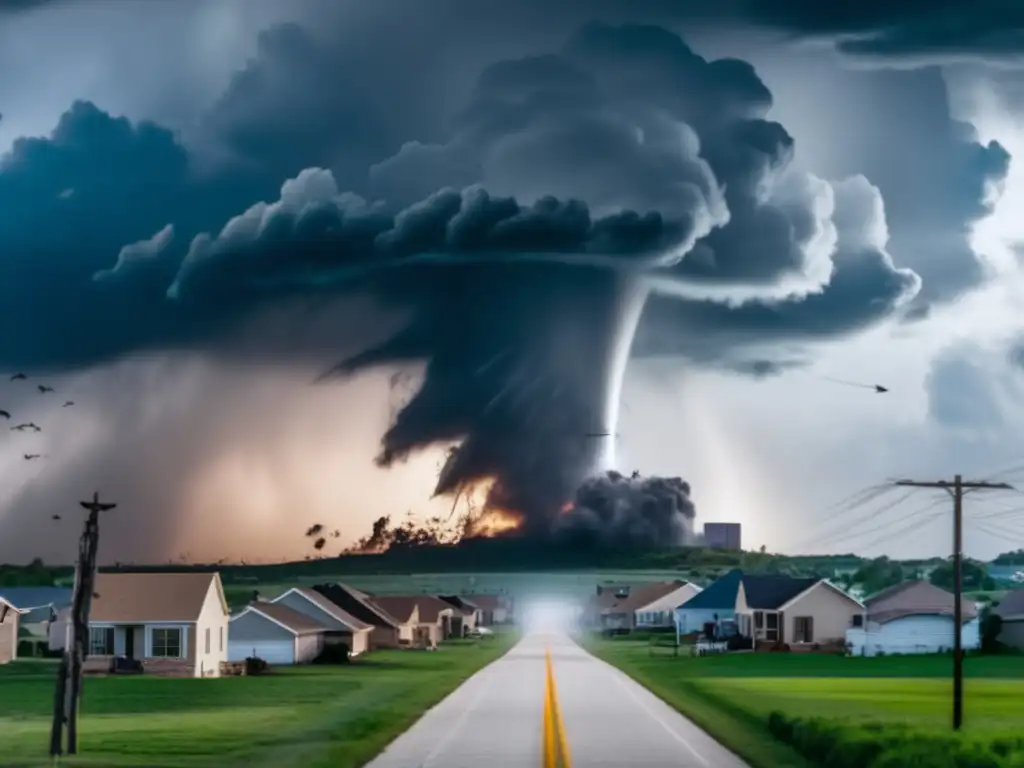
722	535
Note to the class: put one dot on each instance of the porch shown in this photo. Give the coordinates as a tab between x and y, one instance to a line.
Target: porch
157	649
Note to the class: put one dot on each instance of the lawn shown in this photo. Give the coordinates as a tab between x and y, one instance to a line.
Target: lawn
310	716
732	695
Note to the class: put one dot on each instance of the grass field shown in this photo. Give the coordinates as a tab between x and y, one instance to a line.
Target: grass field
732	695
310	716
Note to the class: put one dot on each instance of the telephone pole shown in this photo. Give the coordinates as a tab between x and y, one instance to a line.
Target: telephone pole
76	645
956	489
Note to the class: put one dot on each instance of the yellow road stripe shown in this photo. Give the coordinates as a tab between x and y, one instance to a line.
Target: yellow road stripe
556	749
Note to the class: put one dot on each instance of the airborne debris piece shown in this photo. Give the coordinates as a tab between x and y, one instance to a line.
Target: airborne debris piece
30	425
30	456
314	530
19	376
319	543
55	517
860	385
880	388
43	388
69	402
5	414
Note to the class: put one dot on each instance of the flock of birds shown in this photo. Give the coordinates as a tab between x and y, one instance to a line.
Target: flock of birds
30	426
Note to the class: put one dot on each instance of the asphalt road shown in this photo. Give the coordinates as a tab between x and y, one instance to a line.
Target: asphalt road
547	697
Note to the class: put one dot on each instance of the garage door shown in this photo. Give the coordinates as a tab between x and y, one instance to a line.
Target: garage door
271	651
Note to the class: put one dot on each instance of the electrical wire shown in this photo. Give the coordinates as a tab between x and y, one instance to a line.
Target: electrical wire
896	534
852	535
816	540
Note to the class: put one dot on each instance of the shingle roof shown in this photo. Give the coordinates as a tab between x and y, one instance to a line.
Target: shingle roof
915	598
460	604
643	594
357	603
1012	604
399	606
36	597
143	597
431	608
718	595
487	602
328	607
769	591
299	623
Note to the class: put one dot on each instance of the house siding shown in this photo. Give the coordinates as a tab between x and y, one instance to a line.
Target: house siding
832	614
252	626
694	619
308	647
213	617
9	637
386	637
300	604
58	631
912	634
661	612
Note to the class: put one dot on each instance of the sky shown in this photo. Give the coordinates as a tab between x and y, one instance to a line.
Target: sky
461	212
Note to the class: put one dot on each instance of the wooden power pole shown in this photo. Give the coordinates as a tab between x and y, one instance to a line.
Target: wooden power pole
956	489
76	644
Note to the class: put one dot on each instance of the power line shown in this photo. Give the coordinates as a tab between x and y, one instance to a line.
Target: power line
816	540
956	489
887	525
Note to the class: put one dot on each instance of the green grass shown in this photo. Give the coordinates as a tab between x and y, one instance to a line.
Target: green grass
308	716
731	695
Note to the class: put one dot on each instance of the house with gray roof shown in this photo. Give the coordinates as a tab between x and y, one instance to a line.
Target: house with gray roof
1011	611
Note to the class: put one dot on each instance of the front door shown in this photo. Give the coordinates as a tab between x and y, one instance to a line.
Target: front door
129	642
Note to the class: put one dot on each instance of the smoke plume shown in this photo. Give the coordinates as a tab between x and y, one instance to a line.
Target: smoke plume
611	510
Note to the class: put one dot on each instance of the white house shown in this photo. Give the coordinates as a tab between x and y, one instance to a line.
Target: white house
913	617
275	633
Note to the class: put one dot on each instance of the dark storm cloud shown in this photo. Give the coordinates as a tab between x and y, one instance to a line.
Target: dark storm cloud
624	144
614	511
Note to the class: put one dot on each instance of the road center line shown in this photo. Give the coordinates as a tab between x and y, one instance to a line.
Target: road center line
556	749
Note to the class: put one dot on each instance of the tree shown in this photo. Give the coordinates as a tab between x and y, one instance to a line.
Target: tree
1015	557
975	576
878	574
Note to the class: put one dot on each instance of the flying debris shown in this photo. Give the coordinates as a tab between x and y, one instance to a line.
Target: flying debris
55	517
43	389
876	387
19	377
68	403
30	456
335	534
314	530
31	426
319	543
5	414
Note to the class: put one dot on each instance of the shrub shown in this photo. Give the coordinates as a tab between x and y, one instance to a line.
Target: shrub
877	745
254	665
333	653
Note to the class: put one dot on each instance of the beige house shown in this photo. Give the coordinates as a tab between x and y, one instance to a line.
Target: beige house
9	616
800	613
466	616
339	625
167	623
428	617
617	608
1011	611
494	609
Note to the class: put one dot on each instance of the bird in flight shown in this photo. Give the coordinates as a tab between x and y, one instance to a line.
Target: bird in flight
19	376
4	414
30	456
68	403
43	389
30	425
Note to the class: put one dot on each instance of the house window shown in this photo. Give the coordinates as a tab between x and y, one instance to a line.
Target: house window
858	620
165	643
222	638
771	631
101	641
758	619
207	640
803	629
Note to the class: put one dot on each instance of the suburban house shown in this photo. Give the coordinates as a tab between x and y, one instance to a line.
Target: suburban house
466	615
660	612
166	623
340	626
799	612
617	607
913	617
716	602
494	609
275	633
1011	611
429	616
44	612
387	631
9	623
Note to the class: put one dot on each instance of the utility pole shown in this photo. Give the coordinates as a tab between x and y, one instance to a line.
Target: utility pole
956	489
76	644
